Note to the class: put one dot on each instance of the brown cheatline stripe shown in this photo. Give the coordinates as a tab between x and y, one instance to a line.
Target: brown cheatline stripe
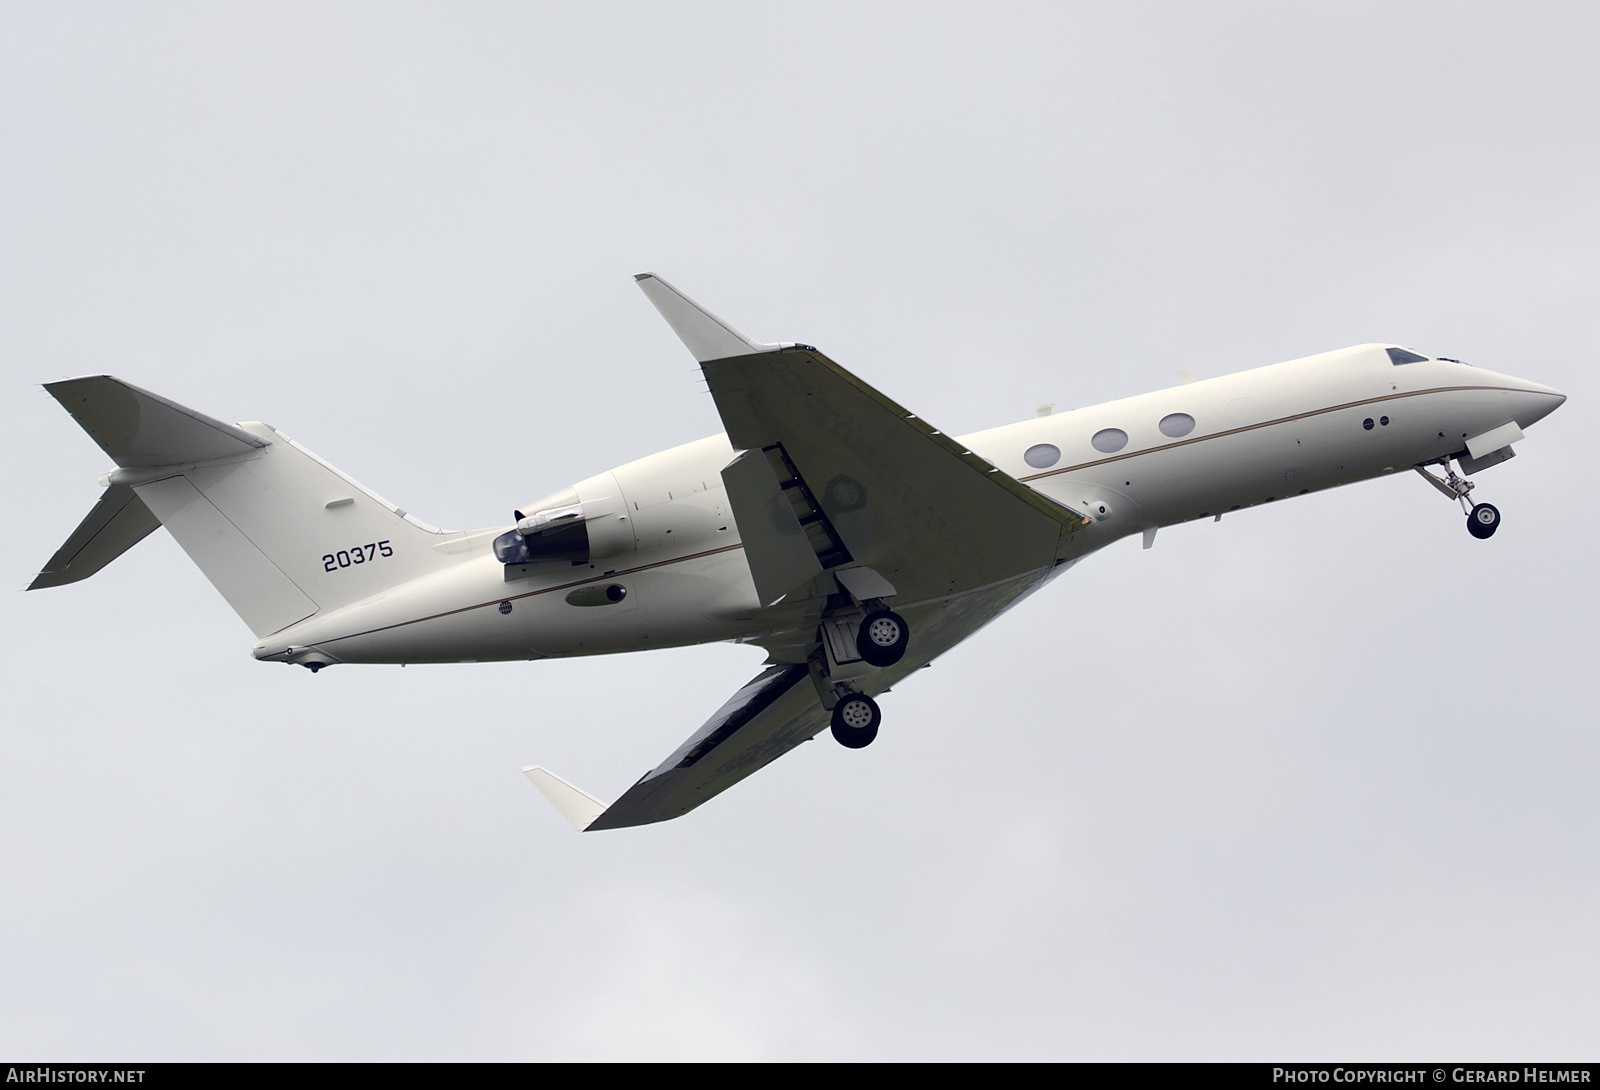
1264	424
536	593
1034	477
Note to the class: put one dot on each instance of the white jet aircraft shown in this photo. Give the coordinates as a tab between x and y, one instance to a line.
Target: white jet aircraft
848	537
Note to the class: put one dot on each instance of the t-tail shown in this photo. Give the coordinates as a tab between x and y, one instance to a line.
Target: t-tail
279	532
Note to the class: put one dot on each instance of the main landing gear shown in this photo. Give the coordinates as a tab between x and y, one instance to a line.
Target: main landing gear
882	638
855	720
854	647
1483	519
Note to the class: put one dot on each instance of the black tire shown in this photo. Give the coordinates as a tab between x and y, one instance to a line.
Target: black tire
1484	520
882	638
855	721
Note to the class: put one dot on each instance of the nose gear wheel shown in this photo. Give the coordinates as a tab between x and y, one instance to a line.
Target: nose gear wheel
1484	520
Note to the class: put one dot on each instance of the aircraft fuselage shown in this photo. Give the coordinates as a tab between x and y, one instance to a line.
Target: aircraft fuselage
673	571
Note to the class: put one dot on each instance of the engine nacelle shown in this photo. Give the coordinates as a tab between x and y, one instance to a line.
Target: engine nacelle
588	521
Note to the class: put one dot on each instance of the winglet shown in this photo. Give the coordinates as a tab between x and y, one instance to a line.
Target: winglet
575	804
706	336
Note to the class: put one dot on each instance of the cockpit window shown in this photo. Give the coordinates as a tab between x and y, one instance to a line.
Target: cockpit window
1398	356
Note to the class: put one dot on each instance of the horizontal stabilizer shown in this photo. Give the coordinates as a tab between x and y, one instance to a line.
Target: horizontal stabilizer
705	335
576	805
279	532
140	429
116	524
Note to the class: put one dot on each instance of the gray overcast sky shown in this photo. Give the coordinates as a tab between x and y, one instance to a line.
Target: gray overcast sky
1316	782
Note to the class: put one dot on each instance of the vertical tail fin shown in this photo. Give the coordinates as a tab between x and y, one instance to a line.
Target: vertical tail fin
279	532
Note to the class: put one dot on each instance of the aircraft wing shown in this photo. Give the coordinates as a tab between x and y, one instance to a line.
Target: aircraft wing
867	481
832	477
767	718
777	711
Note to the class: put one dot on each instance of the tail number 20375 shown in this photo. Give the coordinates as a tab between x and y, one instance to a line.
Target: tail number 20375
358	554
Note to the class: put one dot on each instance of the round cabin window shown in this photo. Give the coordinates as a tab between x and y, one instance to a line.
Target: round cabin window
1109	440
1176	425
1042	455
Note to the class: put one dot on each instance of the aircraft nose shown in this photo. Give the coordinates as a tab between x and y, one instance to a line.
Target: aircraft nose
1530	401
1543	401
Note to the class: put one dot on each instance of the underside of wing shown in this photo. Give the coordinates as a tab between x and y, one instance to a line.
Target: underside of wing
763	721
777	711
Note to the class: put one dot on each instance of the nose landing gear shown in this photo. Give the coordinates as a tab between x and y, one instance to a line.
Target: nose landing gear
1483	519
